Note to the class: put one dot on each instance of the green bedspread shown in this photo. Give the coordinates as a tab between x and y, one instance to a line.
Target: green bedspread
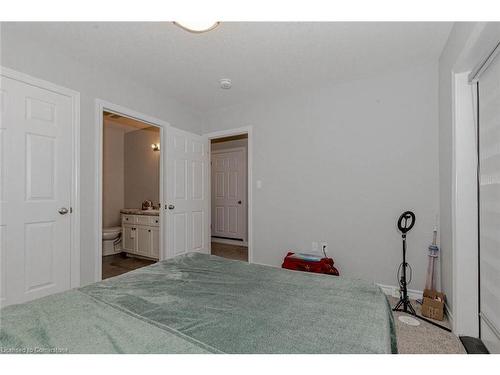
199	303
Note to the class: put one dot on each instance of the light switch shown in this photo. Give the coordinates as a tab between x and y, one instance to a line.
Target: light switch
259	184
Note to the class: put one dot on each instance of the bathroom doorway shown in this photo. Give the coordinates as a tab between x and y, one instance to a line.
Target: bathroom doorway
130	194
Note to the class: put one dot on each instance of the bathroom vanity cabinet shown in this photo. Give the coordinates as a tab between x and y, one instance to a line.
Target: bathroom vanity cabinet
141	235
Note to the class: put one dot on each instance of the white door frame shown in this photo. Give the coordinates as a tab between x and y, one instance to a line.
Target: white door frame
100	107
228	133
75	174
223	240
465	306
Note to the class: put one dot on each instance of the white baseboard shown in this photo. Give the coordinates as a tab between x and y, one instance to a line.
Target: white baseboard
230	242
393	291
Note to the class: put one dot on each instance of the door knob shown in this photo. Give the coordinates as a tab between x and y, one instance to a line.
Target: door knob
171	206
239	202
63	211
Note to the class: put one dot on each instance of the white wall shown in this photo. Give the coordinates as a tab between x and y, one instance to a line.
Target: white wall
341	164
113	192
142	167
45	61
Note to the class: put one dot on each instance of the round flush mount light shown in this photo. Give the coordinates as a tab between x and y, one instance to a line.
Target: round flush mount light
197	27
225	83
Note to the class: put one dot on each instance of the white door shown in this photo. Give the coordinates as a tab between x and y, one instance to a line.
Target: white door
187	203
229	170
36	174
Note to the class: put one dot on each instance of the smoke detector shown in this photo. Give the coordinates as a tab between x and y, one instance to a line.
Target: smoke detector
225	83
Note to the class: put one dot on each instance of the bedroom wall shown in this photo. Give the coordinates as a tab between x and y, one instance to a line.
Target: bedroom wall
142	167
47	61
340	164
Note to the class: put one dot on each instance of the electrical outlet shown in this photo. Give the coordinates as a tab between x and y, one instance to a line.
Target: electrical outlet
314	247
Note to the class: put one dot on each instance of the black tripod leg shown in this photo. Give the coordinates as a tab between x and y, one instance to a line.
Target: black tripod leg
433	323
412	310
398	305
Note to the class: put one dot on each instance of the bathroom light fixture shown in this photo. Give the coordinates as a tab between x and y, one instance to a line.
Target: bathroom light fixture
155	146
197	27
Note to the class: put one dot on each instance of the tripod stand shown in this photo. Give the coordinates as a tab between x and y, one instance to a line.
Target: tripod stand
405	223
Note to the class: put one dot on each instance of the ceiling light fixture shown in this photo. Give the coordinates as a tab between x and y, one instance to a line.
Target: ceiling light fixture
197	27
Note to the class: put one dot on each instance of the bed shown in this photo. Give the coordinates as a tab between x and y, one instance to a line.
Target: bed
198	303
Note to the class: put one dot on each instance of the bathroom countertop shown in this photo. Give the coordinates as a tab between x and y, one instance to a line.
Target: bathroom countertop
138	211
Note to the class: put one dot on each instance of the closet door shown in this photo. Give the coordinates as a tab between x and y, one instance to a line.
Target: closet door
36	148
489	205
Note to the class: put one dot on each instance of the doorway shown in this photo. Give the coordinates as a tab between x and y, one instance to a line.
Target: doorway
229	196
135	236
131	155
183	216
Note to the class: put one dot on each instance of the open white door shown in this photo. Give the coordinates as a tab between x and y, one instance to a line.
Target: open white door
187	198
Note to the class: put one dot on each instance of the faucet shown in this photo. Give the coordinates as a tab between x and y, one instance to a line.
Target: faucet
147	205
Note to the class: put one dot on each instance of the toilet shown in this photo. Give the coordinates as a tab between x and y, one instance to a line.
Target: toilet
111	240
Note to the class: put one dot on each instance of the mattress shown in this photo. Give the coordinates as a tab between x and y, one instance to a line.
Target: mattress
198	303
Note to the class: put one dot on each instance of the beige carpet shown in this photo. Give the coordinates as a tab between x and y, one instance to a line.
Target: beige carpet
425	338
230	251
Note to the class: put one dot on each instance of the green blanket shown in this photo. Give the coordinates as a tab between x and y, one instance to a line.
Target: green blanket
199	303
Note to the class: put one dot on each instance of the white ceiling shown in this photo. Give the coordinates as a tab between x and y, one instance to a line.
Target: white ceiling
261	58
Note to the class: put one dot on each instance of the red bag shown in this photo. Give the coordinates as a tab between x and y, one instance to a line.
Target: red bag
324	265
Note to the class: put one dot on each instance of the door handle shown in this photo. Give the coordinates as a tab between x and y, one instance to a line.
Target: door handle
239	202
63	211
171	206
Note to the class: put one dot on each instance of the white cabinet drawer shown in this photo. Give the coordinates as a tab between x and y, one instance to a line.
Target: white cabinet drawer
154	221
148	220
141	219
128	219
